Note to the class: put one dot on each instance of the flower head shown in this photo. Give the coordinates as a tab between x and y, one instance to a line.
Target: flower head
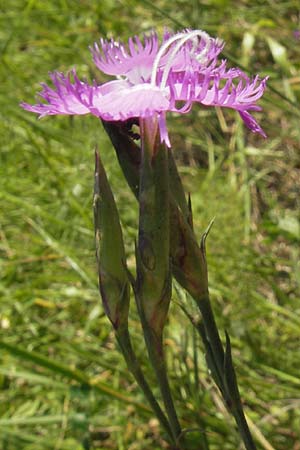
152	78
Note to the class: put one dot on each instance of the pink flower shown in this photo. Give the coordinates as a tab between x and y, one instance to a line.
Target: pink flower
151	79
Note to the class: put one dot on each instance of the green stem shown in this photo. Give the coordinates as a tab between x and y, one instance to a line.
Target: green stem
243	427
230	393
211	331
155	349
124	342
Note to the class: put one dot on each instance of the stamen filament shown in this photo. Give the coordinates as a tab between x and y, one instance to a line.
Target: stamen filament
183	38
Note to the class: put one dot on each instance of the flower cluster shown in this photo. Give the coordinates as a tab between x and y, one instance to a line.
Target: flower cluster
153	78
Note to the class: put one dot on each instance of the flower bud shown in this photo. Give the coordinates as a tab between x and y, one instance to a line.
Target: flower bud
153	268
113	280
188	259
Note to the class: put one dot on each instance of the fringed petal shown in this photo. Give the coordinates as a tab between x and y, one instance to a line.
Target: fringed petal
69	96
239	93
251	123
182	71
143	100
114	58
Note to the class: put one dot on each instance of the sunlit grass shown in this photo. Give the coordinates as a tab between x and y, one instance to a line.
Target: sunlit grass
63	384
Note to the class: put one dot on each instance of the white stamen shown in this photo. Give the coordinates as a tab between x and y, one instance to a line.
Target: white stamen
182	38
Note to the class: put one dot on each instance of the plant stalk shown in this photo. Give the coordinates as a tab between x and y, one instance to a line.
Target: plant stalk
226	375
156	354
132	362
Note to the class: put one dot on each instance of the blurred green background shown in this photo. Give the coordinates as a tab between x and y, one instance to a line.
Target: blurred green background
63	384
